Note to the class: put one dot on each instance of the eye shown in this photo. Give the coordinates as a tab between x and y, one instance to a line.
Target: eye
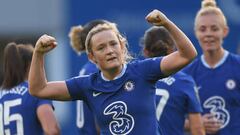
100	47
215	28
113	43
202	29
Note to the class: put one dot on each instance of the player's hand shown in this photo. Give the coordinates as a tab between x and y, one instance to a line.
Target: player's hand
156	18
211	124
45	44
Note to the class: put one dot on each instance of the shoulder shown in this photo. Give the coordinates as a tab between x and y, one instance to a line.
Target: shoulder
192	66
235	58
89	65
88	68
79	80
195	62
183	77
148	68
185	84
145	63
141	61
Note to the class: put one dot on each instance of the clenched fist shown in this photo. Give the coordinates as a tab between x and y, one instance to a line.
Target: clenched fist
156	18
45	44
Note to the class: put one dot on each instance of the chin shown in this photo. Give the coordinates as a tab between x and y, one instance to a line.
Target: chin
210	50
113	65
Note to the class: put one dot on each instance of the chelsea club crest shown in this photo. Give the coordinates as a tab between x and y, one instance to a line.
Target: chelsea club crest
129	86
231	84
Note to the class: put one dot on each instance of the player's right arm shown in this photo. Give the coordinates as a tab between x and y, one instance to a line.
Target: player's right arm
38	85
211	125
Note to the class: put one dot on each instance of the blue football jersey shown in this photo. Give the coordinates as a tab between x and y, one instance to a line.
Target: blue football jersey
85	118
125	105
219	90
176	97
88	68
18	111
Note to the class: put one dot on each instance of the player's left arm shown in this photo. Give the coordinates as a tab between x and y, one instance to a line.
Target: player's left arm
186	51
48	120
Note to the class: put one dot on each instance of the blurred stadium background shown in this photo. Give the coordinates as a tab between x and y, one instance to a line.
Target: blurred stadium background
26	20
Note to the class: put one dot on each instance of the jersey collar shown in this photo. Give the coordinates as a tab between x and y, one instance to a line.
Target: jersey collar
219	63
118	76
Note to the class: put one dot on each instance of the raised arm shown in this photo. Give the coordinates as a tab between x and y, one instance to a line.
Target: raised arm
185	53
38	85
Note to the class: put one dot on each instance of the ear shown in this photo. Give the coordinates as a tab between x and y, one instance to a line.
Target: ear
195	31
123	46
145	53
225	31
92	58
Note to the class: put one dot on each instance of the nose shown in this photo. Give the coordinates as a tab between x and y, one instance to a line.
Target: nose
109	49
208	32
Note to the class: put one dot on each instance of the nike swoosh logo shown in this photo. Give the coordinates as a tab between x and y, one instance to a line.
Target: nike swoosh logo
96	94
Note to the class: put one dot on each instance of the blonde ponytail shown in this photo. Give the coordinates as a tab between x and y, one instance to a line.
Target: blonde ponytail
75	39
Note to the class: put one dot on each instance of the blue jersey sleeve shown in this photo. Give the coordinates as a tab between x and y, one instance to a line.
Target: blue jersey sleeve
191	68
44	101
76	87
150	69
236	58
88	69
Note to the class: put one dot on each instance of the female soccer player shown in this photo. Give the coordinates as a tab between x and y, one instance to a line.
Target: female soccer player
85	119
21	113
176	96
122	93
216	73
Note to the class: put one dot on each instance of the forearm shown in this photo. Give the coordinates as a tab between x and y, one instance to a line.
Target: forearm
37	78
47	119
196	124
197	131
38	84
183	43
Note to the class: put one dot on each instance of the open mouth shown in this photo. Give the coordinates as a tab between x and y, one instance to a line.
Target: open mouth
208	41
111	59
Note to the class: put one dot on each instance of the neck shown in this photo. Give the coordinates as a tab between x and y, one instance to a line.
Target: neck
213	57
112	73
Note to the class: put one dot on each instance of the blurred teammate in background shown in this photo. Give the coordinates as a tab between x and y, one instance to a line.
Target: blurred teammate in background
85	120
216	73
176	96
21	113
122	93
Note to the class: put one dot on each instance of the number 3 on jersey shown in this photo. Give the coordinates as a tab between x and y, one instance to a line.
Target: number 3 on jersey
164	96
6	117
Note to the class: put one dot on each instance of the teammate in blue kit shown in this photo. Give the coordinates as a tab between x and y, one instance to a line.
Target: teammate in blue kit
122	93
176	96
216	73
85	121
21	113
